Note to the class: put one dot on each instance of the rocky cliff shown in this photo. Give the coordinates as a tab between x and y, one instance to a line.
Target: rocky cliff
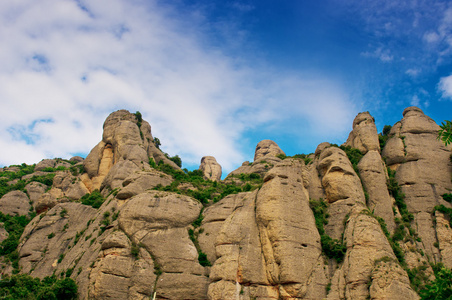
366	220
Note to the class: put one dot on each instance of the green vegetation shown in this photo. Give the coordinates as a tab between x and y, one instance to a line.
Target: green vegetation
139	118
304	157
354	155
193	234
447	197
135	250
94	199
384	136
445	210
441	287
50	169
157	143
332	248
26	287
445	133
206	191
177	160
15	226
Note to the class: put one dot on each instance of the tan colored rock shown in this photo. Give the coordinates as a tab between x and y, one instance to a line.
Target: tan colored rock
239	250
141	181
424	173
390	281
364	135
288	235
45	202
3	233
267	149
210	168
159	221
181	286
214	218
51	163
122	140
15	203
366	246
342	188
264	159
35	190
118	173
444	235
45	163
40	250
373	176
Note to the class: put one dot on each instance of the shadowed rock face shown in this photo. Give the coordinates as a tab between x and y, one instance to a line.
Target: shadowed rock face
261	244
210	168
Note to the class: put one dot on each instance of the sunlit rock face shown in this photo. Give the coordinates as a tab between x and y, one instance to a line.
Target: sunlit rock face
210	168
154	234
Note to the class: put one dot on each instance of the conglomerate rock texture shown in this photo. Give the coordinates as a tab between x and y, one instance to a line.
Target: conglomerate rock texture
322	226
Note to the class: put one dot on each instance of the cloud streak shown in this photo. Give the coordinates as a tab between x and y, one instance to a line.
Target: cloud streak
68	64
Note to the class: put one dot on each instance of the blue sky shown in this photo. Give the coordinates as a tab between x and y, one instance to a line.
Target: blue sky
216	77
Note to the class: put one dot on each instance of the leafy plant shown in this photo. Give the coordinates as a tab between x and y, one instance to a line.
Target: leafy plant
94	199
332	248
447	197
440	288
445	132
23	286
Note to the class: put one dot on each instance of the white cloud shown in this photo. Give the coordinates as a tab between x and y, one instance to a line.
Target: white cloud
445	87
415	100
71	63
413	72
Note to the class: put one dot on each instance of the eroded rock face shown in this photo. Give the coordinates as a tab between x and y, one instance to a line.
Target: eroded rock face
267	149
373	175
341	185
15	203
423	170
159	222
265	157
124	139
276	254
364	135
367	247
262	244
210	168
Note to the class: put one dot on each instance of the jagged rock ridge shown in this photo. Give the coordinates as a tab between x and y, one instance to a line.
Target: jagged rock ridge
126	223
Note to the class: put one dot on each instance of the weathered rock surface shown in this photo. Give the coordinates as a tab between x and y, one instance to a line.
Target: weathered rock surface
364	135
124	139
35	190
373	175
367	246
260	244
210	168
264	159
15	203
341	185
423	170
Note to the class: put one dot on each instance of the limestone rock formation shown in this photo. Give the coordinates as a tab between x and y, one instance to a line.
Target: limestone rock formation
276	228
373	175
210	168
127	139
423	171
364	135
265	157
15	203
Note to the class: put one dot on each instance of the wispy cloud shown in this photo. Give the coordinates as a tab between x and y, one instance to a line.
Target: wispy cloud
445	87
67	64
